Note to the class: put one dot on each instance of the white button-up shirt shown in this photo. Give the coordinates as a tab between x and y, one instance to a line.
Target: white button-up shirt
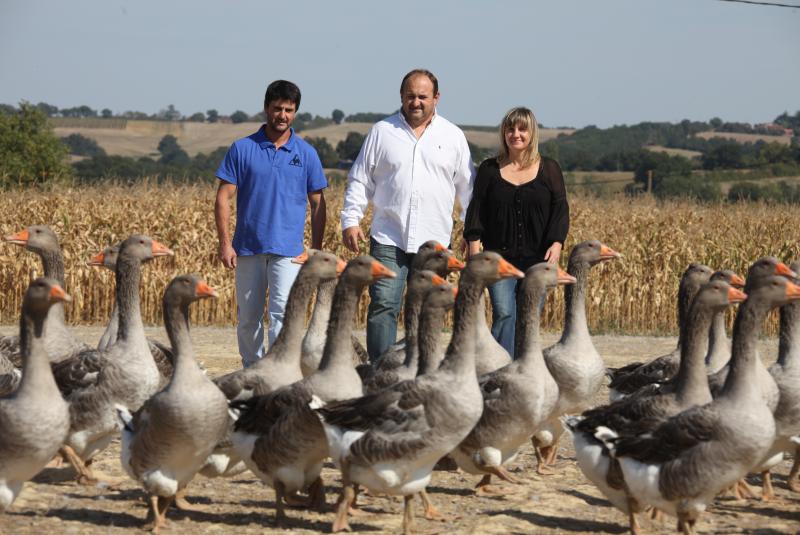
411	182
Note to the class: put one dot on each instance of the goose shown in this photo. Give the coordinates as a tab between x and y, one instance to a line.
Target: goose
390	441
419	282
162	355
60	342
431	256
641	412
34	420
277	435
94	381
719	346
681	465
631	377
573	361
519	397
168	439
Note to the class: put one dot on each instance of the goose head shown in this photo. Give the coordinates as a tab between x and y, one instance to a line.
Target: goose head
766	267
35	238
325	266
421	281
489	267
592	252
545	276
440	296
729	276
718	295
436	257
365	270
185	289
107	258
143	248
42	294
773	290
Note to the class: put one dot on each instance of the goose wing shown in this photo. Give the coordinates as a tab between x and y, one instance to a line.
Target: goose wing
79	372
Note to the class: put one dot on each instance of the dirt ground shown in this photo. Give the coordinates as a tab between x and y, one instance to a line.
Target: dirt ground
562	503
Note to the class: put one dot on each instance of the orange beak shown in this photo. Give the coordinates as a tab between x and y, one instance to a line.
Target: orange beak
302	258
159	249
204	290
57	294
737	281
783	269
735	295
20	238
379	271
563	277
96	260
792	291
607	253
340	265
506	271
455	291
454	264
437	280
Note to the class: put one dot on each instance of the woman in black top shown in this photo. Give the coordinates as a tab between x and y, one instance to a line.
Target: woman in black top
518	209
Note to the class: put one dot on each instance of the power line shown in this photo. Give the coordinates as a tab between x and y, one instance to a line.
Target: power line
774	4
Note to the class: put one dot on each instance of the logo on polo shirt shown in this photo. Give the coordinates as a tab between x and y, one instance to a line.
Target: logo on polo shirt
296	161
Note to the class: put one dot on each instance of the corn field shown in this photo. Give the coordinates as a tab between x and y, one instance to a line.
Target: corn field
636	294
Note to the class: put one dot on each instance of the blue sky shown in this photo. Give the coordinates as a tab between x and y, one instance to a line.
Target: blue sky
574	62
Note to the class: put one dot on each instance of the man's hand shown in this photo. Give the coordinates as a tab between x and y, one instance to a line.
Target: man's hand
227	255
351	236
553	253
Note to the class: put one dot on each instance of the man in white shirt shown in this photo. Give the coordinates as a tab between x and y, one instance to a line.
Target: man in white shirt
411	166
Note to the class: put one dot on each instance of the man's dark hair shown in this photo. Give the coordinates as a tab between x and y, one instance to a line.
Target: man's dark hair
282	90
422	72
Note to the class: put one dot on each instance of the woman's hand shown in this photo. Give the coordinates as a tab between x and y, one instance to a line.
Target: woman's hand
553	253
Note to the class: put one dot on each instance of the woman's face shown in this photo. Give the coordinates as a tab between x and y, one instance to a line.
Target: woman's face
518	137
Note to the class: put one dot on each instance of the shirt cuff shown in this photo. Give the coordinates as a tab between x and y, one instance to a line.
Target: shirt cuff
349	221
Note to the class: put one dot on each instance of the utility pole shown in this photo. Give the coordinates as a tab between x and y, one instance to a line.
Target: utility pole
650	181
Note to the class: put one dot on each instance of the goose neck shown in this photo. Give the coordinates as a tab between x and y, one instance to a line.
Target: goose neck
36	373
338	344
691	381
431	322
528	346
176	321
575	301
719	347
789	335
460	356
322	307
741	382
289	341
127	295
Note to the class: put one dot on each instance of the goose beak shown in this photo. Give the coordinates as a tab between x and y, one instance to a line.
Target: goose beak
607	253
792	291
204	290
455	291
96	260
159	249
563	277
379	271
439	247
737	281
58	294
340	266
302	258
783	269
437	280
454	264
506	271
735	295
20	238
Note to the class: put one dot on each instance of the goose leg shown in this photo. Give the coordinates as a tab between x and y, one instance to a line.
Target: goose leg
794	482
744	490
408	514
767	492
502	473
541	464
182	504
316	495
158	513
633	522
85	474
431	513
348	495
280	498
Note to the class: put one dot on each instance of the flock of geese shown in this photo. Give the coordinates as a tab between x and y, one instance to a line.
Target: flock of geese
679	430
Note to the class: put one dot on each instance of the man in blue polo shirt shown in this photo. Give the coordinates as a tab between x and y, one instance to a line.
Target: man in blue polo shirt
273	173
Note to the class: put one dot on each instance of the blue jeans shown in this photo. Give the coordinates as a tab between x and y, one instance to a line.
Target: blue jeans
254	275
503	295
385	298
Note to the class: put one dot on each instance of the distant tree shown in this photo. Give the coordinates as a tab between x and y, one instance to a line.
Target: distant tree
213	116
30	152
80	145
79	111
106	113
728	155
7	109
327	155
259	117
662	165
137	115
337	116
239	117
479	153
691	187
48	109
171	151
366	117
715	122
198	117
169	114
348	148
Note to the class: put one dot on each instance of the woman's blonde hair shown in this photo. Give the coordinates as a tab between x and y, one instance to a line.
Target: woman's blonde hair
525	119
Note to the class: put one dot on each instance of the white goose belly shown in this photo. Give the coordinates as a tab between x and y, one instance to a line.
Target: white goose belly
404	477
296	476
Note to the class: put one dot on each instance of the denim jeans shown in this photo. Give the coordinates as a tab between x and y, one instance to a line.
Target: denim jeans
503	295
254	275
385	298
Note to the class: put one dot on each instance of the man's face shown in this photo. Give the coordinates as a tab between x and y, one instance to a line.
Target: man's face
418	100
280	115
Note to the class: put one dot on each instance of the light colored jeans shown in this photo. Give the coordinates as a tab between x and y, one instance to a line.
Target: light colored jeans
254	275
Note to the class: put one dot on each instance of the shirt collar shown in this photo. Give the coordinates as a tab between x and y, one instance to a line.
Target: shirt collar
265	143
405	123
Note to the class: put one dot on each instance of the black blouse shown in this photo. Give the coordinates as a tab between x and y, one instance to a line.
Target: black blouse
519	222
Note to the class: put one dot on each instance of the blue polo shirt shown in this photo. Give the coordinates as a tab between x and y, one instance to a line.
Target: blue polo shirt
272	192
